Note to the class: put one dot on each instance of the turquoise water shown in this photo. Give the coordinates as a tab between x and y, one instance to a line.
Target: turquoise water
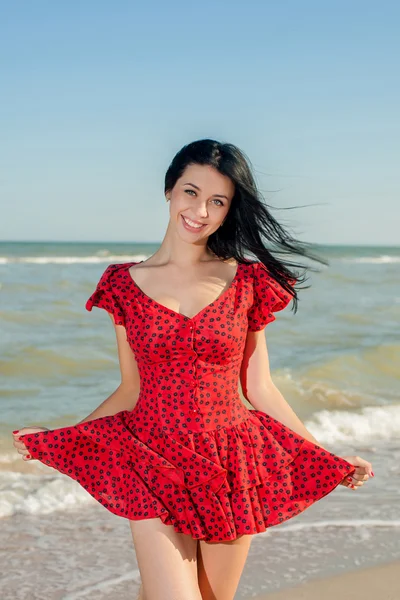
336	362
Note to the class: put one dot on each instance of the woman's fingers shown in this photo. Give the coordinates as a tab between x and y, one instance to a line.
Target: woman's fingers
22	449
19	444
356	483
360	474
359	477
362	466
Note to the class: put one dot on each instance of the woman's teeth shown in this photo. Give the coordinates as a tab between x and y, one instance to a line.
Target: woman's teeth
192	223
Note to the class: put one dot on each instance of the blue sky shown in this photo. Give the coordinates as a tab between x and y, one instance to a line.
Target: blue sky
98	97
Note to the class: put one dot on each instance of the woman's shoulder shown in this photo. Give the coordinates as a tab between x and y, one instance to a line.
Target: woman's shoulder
115	272
105	295
269	296
114	280
261	273
254	268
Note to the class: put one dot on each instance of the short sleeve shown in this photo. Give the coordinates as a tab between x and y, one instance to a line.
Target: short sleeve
268	297
105	297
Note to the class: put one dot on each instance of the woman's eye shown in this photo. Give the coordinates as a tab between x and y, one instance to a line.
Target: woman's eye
215	199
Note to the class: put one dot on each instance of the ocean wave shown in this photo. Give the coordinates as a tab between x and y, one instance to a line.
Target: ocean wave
39	494
38	363
364	377
372	424
353	523
69	260
383	259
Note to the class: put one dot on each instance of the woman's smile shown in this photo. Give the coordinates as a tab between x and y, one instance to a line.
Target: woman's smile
191	225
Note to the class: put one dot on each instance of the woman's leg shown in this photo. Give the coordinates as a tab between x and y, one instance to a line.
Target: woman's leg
220	566
167	561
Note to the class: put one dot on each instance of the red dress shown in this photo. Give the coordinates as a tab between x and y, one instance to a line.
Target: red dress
190	452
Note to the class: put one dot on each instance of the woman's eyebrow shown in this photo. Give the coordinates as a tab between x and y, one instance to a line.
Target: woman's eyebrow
197	188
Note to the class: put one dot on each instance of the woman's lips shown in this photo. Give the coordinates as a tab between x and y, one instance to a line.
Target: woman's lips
189	227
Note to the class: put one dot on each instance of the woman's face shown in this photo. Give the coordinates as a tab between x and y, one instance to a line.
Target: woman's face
200	201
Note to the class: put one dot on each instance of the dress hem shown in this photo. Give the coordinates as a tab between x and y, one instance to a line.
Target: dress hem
163	490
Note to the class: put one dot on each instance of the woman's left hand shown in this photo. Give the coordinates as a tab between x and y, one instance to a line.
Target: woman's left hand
362	473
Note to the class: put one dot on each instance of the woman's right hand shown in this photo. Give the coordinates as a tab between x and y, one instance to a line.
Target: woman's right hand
19	444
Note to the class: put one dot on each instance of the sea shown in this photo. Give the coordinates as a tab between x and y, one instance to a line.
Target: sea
336	361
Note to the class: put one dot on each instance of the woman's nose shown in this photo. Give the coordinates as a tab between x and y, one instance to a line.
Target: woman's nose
201	211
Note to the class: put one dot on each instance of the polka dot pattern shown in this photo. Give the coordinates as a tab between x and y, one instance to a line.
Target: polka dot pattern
190	452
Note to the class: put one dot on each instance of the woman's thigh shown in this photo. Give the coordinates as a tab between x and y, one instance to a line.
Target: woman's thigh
167	561
220	566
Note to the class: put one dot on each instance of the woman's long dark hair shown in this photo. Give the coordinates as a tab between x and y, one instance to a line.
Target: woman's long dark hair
249	224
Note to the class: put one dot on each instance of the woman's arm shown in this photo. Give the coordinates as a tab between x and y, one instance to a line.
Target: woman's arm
259	389
127	393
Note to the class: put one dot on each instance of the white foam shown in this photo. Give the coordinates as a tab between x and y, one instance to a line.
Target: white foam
369	424
383	259
353	523
7	457
37	495
102	586
69	260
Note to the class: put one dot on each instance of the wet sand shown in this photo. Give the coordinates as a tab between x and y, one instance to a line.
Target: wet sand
375	583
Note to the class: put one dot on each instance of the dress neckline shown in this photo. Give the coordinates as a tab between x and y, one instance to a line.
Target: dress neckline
174	312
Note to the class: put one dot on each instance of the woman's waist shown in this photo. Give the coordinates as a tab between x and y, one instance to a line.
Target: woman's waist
201	392
210	381
186	415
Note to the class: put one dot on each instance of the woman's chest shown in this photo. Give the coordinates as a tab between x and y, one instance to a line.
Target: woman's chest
216	334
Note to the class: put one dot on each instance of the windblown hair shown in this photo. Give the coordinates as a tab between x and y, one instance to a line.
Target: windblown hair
249	225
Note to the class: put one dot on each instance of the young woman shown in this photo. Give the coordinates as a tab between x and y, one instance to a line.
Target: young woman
174	449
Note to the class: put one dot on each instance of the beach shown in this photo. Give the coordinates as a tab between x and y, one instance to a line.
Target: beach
376	583
87	553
